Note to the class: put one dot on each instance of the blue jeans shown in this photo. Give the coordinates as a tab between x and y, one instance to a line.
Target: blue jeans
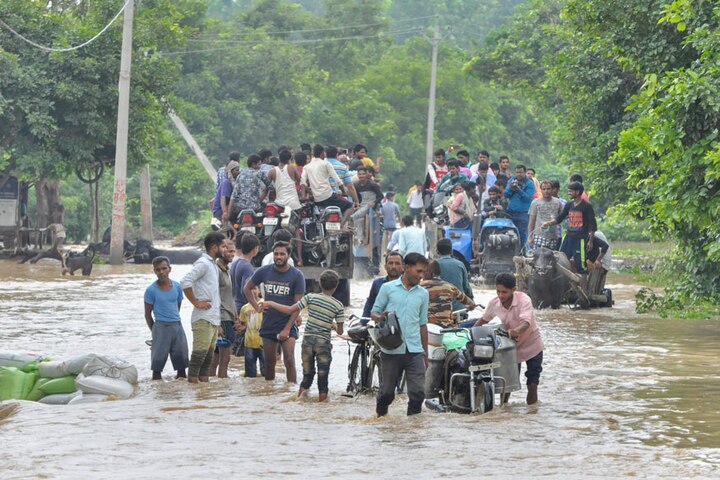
521	221
252	356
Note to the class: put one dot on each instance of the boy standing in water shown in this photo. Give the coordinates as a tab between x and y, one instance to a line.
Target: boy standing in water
163	298
324	311
250	321
515	310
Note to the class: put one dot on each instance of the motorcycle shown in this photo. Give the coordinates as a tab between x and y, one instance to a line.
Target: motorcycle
250	221
312	232
335	243
272	220
468	367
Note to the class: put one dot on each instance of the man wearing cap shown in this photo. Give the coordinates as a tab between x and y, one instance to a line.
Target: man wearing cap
221	205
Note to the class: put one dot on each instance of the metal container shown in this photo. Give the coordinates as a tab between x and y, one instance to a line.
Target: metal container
434	372
506	355
435	338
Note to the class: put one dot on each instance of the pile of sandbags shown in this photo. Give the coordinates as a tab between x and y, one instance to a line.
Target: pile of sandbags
83	379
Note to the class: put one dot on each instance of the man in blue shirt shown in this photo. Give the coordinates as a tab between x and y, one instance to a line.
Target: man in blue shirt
394	268
409	301
453	270
163	299
520	191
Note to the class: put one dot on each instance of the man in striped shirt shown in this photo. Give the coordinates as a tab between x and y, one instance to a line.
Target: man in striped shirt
324	312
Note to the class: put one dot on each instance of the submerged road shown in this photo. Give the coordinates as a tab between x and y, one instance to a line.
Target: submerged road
622	395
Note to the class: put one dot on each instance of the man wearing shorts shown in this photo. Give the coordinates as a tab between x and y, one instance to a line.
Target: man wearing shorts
285	285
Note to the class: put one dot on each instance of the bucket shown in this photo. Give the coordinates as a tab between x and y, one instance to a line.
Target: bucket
435	338
506	355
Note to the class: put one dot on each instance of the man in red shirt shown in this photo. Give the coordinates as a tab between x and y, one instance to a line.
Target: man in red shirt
515	310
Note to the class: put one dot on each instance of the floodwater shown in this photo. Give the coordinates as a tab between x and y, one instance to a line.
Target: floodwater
622	395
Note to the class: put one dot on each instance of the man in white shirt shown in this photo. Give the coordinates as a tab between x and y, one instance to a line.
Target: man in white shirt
316	176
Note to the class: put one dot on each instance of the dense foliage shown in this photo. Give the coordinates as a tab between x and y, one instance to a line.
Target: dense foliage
633	89
245	75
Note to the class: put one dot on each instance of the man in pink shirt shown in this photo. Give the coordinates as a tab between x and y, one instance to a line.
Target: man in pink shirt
515	310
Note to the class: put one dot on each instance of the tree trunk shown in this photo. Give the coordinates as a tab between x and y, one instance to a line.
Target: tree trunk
47	193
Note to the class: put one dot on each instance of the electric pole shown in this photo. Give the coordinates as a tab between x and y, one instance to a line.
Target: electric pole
146	215
118	210
435	42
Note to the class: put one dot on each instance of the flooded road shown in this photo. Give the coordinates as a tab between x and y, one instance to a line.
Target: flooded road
622	395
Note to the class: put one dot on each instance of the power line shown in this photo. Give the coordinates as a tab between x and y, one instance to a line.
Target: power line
329	29
68	49
293	42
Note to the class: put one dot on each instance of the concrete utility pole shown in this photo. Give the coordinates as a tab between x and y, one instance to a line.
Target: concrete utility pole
435	42
146	216
190	140
118	211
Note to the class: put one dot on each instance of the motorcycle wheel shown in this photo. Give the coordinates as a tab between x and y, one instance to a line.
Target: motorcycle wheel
488	397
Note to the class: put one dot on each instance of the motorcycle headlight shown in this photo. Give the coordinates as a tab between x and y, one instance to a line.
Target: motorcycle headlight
483	352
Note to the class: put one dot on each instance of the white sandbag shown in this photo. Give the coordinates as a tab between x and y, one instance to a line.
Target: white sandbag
104	386
18	360
75	366
52	370
88	398
111	367
59	398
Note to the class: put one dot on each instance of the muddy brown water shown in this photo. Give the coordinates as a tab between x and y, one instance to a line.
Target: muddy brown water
622	395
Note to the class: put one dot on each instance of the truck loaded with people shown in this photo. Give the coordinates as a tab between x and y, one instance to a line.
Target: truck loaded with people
310	199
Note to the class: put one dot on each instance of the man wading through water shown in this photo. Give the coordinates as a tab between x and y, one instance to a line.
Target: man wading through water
201	287
285	285
409	301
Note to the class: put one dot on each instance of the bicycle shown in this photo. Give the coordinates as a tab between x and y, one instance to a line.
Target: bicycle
364	367
363	370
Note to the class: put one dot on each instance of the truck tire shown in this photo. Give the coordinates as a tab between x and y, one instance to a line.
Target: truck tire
342	293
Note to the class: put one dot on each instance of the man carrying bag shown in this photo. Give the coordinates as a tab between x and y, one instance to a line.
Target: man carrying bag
406	300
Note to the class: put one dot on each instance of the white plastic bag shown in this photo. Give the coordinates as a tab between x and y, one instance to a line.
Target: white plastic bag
75	366
59	398
19	360
111	367
88	398
52	370
104	385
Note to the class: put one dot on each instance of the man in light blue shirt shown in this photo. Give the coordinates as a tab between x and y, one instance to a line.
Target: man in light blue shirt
409	301
411	239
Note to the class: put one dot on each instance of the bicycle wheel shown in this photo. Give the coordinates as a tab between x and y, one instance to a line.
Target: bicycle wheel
373	378
355	371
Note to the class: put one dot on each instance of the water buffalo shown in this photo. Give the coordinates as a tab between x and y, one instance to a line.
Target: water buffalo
547	285
145	252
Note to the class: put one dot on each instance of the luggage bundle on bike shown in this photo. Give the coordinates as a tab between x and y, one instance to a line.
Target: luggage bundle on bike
473	365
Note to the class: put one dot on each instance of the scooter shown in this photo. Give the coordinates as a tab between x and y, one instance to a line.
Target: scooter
468	367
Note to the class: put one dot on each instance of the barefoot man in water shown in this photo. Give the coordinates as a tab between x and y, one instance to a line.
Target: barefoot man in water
284	285
201	286
163	299
515	310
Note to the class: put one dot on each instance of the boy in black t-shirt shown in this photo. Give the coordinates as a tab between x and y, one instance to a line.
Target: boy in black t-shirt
580	230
